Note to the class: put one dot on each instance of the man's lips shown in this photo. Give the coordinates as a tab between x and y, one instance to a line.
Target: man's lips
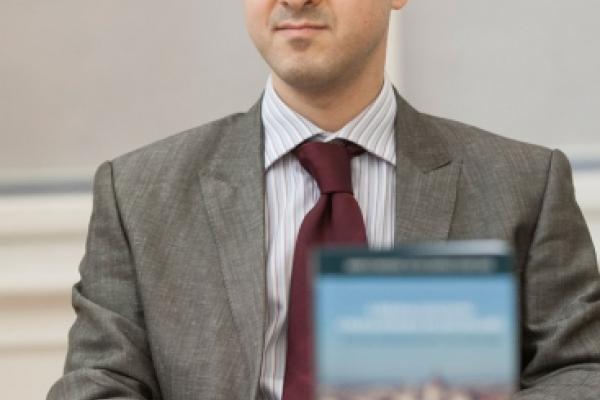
299	28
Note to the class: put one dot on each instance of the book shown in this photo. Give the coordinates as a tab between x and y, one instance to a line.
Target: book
427	321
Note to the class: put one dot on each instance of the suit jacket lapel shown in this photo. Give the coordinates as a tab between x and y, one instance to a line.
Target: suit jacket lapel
426	178
233	193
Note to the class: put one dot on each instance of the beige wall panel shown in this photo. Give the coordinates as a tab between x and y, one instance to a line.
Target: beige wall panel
28	375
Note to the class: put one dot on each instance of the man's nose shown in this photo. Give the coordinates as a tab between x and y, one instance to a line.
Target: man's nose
298	4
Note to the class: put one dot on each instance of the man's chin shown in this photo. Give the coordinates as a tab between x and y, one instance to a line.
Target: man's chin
299	44
304	73
303	79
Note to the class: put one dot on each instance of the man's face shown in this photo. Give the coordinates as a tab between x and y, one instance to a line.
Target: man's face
313	44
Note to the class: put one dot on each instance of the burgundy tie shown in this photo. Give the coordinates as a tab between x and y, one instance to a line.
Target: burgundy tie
335	219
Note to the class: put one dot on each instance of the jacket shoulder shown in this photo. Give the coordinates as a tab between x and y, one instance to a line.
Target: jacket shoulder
156	172
512	176
479	146
177	150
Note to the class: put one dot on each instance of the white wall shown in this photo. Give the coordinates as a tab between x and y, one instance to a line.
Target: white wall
524	69
83	81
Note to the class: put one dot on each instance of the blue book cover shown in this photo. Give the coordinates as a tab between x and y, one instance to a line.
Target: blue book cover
419	322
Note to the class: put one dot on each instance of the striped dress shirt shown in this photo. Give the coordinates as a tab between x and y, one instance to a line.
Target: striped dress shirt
291	192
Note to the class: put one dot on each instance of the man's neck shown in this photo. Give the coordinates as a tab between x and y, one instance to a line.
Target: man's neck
333	108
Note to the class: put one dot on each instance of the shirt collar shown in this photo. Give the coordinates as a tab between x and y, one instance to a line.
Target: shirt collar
372	129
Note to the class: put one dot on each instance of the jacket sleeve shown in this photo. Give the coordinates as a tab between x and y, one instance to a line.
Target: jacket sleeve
561	299
108	355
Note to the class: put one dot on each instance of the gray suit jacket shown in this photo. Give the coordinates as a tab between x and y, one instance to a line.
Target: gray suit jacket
171	302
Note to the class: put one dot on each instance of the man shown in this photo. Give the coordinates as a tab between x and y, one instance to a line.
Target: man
186	279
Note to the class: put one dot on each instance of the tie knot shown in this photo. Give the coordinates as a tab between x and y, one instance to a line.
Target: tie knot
329	164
